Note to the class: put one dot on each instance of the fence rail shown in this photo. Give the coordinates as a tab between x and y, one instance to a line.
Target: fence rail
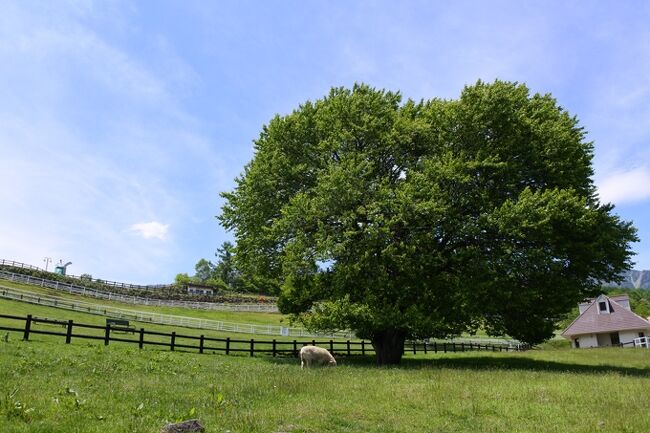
228	346
135	300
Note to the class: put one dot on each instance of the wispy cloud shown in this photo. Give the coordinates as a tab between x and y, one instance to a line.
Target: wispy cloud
625	186
151	230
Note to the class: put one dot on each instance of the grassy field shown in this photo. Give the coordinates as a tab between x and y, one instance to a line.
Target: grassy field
86	387
22	309
48	386
226	316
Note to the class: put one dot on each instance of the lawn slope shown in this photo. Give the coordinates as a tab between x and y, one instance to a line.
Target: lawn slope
48	387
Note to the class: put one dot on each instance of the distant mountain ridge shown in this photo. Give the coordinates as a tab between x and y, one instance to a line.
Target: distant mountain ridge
633	280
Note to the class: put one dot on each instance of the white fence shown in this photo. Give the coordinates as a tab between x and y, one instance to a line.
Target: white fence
161	319
148	287
135	300
642	342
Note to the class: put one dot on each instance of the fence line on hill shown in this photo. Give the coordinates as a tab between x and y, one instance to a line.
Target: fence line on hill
228	345
158	318
135	300
116	284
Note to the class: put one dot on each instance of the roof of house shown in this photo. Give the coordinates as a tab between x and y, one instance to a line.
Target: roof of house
592	321
618	298
199	286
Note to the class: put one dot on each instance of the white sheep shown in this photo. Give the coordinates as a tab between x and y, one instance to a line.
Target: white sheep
317	355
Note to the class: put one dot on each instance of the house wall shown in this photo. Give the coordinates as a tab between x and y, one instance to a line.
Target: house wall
629	336
604	340
588	340
196	291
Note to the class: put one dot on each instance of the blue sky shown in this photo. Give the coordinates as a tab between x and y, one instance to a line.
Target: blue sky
120	122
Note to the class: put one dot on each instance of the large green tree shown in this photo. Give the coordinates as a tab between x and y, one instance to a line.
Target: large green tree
426	219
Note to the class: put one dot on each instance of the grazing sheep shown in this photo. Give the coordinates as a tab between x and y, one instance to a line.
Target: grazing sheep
317	355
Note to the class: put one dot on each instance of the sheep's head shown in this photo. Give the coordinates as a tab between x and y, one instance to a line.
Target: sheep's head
332	363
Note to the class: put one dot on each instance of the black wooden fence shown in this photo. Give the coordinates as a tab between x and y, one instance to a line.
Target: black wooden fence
227	345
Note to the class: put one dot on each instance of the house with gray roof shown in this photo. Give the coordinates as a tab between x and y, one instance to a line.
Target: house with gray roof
606	321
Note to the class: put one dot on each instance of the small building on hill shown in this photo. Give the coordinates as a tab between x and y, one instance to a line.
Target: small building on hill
199	289
606	321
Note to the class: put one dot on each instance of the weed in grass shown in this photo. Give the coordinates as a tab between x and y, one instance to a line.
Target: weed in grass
69	399
217	399
14	409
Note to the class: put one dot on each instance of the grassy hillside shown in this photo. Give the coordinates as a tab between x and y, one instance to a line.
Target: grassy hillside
226	316
23	309
46	387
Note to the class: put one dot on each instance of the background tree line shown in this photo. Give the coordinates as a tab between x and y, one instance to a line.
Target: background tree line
221	275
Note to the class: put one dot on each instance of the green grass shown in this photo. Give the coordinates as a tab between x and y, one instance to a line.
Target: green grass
22	309
85	387
225	316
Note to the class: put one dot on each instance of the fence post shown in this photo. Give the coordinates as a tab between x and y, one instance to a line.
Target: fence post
201	344
227	345
363	347
348	346
414	349
444	347
28	327
462	347
313	342
425	347
68	333
295	348
107	334
173	342
274	348
141	342
331	346
252	350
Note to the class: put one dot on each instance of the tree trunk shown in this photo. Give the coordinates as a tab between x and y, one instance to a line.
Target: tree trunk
389	346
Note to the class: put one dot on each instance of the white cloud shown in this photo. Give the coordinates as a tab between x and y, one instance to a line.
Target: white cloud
625	186
150	230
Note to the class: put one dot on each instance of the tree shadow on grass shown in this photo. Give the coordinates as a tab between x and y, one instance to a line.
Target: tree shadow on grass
517	363
479	362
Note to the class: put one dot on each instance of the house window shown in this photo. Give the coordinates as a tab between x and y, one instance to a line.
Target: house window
577	343
602	306
615	340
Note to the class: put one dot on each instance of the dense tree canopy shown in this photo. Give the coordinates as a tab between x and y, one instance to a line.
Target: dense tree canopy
426	219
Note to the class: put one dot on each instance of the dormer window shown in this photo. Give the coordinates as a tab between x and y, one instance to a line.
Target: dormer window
604	307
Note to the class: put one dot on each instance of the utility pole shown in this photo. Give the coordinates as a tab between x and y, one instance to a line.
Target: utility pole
47	261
